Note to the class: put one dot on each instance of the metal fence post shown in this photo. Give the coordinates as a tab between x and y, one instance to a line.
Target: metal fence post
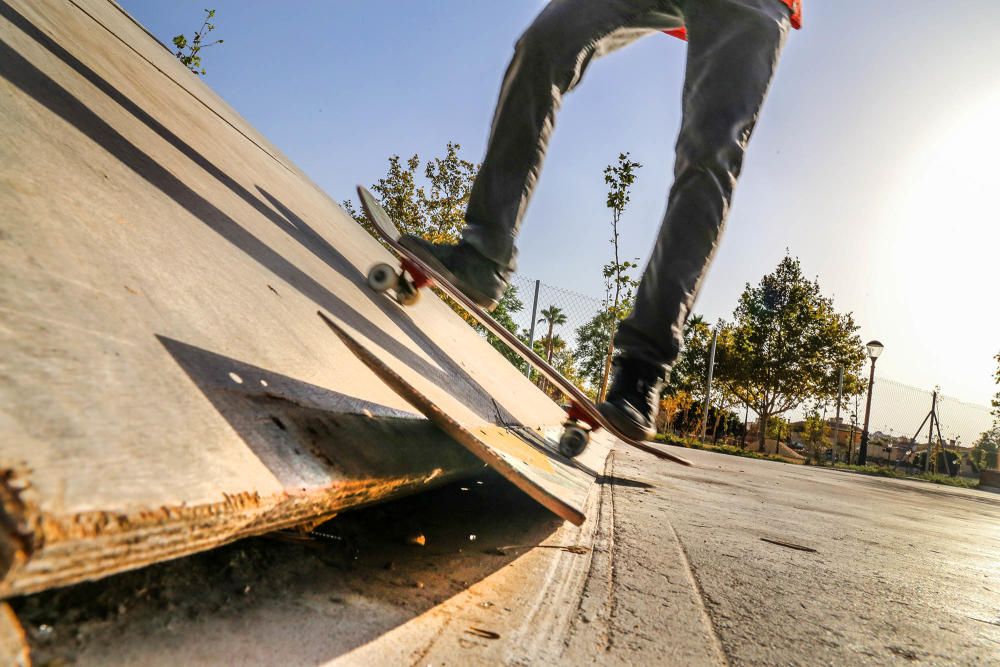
708	384
836	433
534	317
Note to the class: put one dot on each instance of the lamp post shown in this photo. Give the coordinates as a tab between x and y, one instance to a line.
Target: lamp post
874	350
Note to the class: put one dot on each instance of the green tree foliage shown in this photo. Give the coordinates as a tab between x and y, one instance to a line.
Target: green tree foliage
814	432
560	356
984	452
433	206
691	367
996	397
189	53
619	285
778	429
788	343
592	341
687	377
552	316
450	185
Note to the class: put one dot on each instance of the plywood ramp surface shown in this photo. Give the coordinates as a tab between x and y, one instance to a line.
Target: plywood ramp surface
165	384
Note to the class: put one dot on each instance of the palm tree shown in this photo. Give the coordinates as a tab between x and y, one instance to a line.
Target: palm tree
695	321
554	316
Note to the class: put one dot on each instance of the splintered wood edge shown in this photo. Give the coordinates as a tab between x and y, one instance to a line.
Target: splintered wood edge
14	649
410	393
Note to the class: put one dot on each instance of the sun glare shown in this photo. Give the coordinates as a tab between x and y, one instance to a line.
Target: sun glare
940	237
946	214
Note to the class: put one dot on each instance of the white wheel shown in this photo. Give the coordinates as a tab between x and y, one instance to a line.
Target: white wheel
382	277
573	441
406	293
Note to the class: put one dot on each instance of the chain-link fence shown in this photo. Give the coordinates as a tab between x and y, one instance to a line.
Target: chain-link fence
898	410
903	421
577	309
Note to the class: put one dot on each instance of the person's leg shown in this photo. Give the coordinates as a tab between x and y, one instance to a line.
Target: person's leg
732	54
549	60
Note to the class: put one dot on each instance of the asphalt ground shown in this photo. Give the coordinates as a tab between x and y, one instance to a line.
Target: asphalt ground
735	561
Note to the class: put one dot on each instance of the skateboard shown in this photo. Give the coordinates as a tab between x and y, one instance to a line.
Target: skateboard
560	484
582	416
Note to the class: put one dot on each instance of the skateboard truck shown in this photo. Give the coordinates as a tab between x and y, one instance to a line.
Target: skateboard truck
383	277
576	431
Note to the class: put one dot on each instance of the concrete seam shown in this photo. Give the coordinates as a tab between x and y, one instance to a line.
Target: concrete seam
612	565
596	570
706	617
545	623
420	653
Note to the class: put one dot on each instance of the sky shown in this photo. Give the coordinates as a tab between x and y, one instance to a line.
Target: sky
874	161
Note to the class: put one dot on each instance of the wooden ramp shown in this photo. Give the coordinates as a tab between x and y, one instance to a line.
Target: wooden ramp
165	384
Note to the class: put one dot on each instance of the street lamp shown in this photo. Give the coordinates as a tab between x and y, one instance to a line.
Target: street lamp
850	442
874	350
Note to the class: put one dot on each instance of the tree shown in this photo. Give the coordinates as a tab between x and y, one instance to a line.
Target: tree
592	340
672	406
433	209
691	367
996	397
560	357
788	343
984	452
814	432
192	58
554	316
690	370
777	429
723	398
400	196
619	285
451	179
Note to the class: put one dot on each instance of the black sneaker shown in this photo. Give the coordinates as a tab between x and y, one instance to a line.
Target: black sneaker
477	277
633	400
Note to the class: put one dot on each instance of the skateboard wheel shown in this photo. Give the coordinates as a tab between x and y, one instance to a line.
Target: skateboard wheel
382	277
573	441
406	293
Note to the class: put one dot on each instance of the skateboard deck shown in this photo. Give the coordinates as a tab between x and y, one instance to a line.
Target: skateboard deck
556	482
581	408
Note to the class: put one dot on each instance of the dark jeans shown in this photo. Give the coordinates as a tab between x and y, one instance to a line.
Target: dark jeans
733	48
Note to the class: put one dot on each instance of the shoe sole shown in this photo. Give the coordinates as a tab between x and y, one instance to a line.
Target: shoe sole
624	424
486	303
